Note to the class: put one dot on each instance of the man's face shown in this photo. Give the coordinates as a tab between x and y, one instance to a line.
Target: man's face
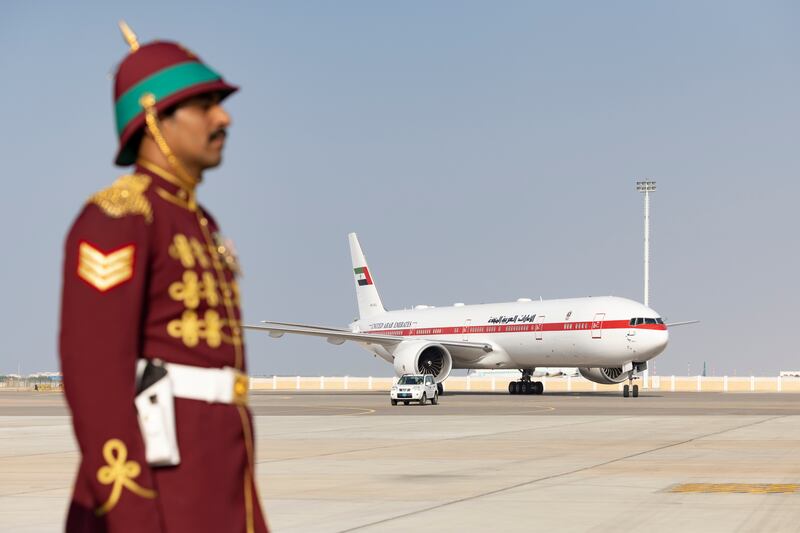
196	131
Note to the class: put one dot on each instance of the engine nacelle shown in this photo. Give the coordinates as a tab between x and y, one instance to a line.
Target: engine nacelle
604	376
422	357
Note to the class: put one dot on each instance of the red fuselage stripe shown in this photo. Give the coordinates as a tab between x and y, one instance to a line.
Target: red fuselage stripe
517	328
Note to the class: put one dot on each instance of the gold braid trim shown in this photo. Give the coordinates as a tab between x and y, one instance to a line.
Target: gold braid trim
120	474
249	482
189	187
125	197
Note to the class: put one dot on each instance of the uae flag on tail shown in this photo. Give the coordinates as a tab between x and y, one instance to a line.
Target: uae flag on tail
362	276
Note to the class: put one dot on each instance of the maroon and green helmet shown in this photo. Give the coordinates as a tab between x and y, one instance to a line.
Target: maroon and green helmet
169	72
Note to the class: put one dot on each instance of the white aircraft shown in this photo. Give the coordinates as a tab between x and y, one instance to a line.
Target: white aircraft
608	339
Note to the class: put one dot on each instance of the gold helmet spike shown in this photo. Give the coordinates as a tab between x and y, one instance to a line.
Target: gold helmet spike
129	36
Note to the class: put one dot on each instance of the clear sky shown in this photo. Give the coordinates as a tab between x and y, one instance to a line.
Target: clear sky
483	151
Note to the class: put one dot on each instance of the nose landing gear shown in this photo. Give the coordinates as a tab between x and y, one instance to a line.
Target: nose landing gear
629	389
525	385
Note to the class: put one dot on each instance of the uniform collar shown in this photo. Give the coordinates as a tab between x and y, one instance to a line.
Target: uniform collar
184	183
170	187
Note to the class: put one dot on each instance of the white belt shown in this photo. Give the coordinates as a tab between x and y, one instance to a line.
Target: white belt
212	385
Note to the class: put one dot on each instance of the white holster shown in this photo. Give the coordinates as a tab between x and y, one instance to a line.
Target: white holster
155	404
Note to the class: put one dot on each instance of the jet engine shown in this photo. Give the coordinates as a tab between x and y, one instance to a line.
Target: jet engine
422	357
604	376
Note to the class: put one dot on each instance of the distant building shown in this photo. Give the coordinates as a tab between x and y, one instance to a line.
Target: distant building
45	376
790	373
38	380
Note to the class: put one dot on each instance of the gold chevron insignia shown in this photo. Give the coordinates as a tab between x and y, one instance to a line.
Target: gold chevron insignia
105	271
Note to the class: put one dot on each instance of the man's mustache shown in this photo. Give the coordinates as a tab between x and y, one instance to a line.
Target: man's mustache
219	133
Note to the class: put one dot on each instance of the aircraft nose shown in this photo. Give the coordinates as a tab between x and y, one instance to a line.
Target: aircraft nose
658	341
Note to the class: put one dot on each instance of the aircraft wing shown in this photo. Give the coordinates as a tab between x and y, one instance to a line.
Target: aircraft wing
297	325
340	336
684	323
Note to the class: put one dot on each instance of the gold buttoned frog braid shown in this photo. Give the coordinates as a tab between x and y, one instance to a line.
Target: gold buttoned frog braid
227	292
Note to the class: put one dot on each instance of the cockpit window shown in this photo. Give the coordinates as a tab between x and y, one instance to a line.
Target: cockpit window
639	321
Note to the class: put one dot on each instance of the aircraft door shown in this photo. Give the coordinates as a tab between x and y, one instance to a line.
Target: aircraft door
465	330
597	325
632	329
538	326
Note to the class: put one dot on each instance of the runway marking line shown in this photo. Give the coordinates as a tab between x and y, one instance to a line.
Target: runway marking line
535	409
736	488
364	410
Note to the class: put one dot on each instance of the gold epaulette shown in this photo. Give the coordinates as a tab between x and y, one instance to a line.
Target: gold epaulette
125	197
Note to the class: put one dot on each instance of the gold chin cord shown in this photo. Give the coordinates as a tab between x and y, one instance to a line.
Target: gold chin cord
148	102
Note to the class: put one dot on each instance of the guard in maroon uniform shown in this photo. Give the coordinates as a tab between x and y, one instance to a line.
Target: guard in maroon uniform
151	343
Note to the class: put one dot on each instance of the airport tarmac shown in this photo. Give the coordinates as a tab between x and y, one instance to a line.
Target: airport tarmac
350	461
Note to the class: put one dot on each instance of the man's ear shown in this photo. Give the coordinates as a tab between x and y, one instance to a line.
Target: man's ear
166	121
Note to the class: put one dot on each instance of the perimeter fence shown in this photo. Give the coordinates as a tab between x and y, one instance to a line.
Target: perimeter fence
552	384
34	383
481	384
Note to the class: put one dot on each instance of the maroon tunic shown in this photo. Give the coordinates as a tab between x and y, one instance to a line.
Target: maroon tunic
146	275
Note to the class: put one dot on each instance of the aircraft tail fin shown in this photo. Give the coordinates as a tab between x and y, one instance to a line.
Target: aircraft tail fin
369	302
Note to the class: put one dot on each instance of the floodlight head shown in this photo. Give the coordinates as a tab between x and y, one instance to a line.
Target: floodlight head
646	186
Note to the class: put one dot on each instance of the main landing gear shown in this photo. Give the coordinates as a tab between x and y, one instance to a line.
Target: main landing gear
525	385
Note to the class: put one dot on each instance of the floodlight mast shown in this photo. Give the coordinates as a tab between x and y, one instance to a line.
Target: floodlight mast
646	187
